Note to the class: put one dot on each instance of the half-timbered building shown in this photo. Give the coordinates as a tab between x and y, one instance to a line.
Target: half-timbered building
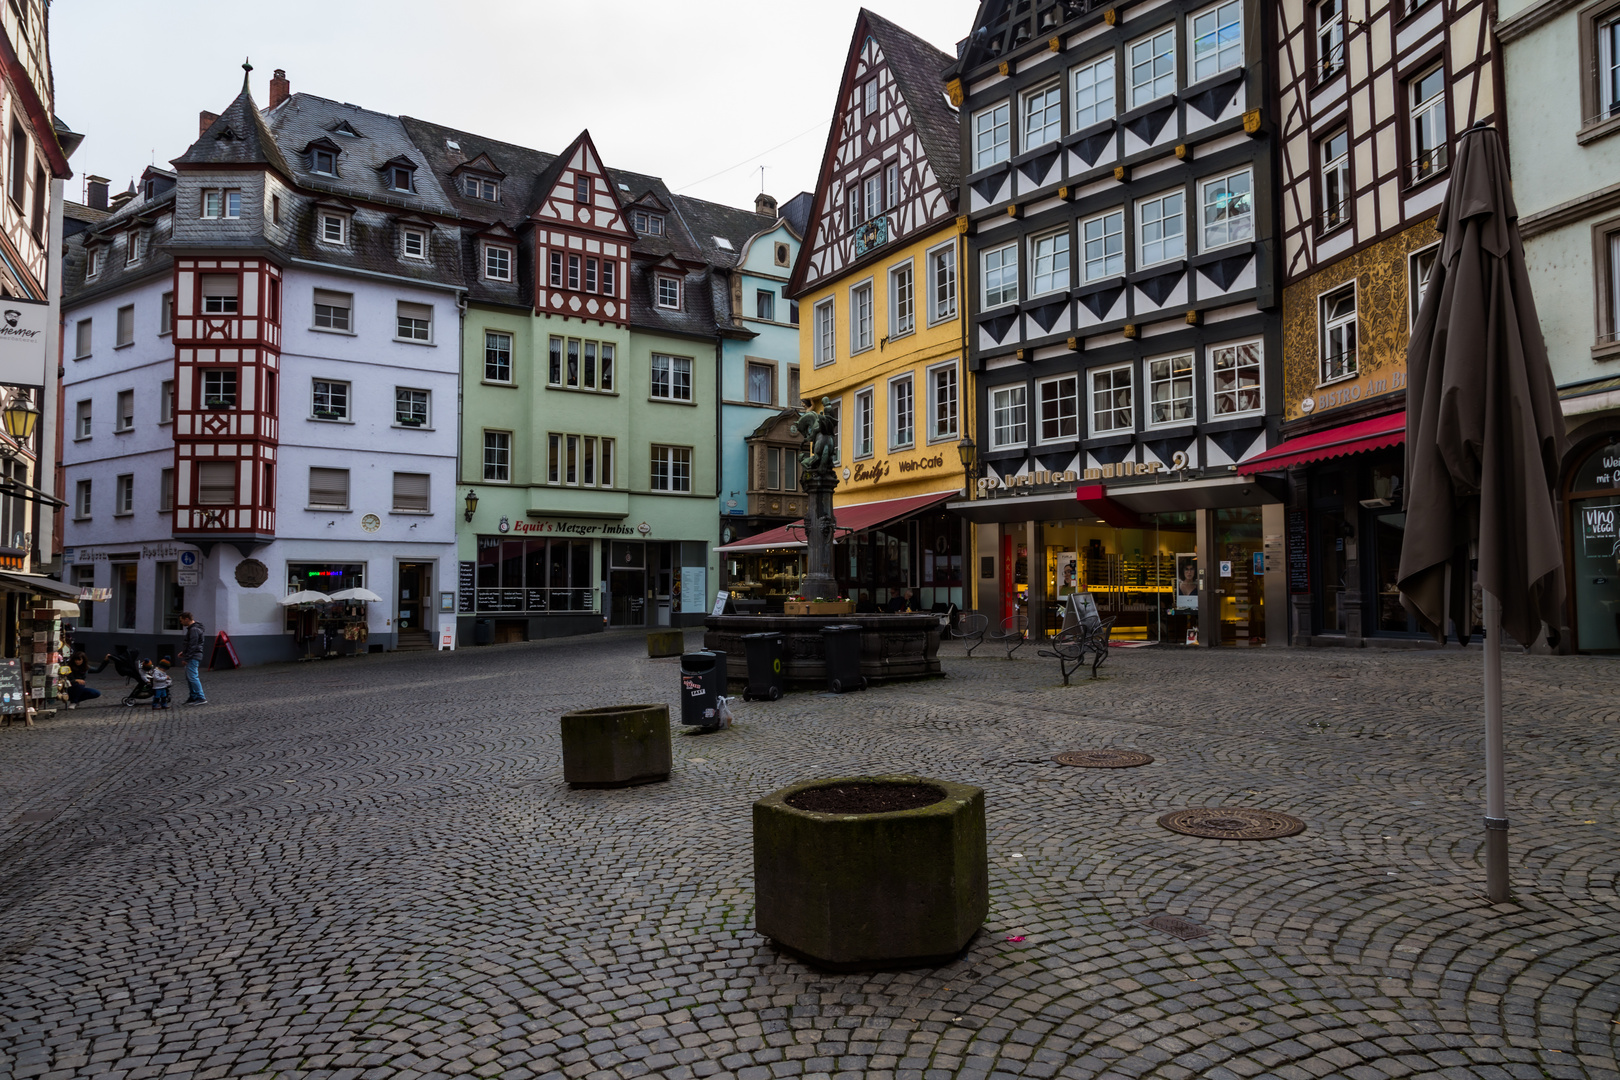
1372	98
1124	323
880	339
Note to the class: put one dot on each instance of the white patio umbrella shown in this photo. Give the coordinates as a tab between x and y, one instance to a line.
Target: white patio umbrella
365	595
304	596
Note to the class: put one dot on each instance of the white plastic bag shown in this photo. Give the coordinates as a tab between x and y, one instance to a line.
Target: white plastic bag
722	712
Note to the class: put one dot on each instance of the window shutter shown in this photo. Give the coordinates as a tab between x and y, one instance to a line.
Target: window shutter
329	488
411	491
166	490
420	312
219	284
332	299
216	483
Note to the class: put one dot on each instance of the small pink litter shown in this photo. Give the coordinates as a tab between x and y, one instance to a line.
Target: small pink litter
1019	938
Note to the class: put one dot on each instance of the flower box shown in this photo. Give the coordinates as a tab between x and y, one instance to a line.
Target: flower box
818	607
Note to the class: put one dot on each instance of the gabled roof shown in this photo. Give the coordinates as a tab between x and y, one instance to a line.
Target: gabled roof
479	164
238	137
711	222
919	69
304	119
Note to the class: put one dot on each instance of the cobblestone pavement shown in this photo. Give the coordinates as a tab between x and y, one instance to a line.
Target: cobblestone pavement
371	868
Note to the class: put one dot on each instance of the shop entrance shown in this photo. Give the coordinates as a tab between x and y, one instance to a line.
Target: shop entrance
1594	541
1132	573
627	583
1240	590
415	581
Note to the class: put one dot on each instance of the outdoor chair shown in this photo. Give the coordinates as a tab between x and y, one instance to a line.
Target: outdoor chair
1012	634
971	627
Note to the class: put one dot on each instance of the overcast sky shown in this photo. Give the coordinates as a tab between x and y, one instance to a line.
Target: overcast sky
699	92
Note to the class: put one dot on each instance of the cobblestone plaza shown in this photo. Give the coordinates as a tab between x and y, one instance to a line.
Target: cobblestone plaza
371	868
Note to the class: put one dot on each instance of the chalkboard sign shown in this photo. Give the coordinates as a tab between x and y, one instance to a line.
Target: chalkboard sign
12	702
1299	562
465	587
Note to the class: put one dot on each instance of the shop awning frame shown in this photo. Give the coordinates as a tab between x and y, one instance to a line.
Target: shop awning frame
37	584
848	519
1357	438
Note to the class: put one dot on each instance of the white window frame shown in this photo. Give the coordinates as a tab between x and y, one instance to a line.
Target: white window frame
1210	40
1417	283
1212	355
328	218
488	348
871	195
1051	266
492	467
1329	36
863	439
670	462
417	335
1189	373
426	509
1152	87
671	380
84	413
166	401
1129	407
348	489
1113	228
166	314
1086	84
902	299
427	407
124	495
1016	407
938	431
346	308
992	135
83	337
1006	258
1336	172
120	338
826	330
1427	118
750	366
862	331
407	237
1606	40
902	412
83	500
1040	113
942	256
92	262
330	389
1041	436
1168	241
123	421
1347	369
1209	237
661	282
507	257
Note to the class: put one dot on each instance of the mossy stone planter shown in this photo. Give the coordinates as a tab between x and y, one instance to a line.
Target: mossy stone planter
906	888
616	746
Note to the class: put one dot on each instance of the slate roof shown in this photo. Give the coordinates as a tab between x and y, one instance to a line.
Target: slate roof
920	69
381	138
155	220
238	137
707	220
797	210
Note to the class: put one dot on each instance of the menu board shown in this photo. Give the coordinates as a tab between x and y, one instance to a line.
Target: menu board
464	588
11	688
1299	563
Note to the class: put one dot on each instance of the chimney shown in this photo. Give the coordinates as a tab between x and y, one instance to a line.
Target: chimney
764	204
205	120
95	192
280	88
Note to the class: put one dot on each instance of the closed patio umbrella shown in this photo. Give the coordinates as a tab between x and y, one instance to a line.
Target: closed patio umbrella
1484	439
365	595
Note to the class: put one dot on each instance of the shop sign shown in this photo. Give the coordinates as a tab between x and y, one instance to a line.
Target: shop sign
155	552
22	341
1599	529
1299	563
989	486
575	528
1366	387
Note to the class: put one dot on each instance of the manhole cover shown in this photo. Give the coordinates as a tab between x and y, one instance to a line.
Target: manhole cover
1231	823
1176	926
1103	759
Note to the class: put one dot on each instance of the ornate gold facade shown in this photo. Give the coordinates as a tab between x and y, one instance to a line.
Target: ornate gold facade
1383	326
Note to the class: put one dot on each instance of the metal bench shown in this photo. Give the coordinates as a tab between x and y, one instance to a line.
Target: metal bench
1077	641
971	626
1012	634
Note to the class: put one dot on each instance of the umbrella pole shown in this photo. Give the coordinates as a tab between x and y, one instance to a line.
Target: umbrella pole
1496	823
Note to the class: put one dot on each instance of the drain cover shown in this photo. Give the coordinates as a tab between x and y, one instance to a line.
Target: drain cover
1103	759
1231	823
1176	926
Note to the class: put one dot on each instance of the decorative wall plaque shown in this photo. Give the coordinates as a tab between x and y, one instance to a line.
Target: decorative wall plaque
251	573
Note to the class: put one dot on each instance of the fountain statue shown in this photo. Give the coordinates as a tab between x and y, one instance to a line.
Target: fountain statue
819	428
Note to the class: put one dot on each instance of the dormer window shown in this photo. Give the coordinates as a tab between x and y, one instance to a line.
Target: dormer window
334	227
221	202
132	247
323	161
582	189
399	178
92	262
413	244
647	224
497	262
669	292
476	187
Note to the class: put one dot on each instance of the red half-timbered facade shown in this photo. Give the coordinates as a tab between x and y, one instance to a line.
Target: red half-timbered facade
581	240
227	341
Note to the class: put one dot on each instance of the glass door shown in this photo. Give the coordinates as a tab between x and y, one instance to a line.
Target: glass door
1240	583
627	584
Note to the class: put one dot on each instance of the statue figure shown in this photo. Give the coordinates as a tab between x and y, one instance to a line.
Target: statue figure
819	429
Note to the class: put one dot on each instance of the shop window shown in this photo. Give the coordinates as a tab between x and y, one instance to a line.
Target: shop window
124	580
1060	408
533	576
1235	379
1594	502
171	597
1170	390
1112	407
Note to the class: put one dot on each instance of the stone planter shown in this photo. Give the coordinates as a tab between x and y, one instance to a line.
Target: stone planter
818	607
905	888
616	746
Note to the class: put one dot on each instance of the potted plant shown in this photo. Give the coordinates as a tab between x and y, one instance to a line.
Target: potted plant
871	871
410	421
328	414
616	746
218	403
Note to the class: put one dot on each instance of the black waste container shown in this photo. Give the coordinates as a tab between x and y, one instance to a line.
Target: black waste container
703	681
767	666
842	646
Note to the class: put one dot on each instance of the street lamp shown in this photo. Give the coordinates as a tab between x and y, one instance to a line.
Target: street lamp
472	503
970	458
20	417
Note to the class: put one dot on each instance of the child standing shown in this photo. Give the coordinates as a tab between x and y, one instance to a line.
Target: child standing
160	682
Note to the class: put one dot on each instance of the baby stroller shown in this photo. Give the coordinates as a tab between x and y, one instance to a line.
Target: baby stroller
128	664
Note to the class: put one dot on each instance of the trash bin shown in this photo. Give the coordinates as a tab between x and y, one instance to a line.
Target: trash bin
483	632
767	666
842	646
703	681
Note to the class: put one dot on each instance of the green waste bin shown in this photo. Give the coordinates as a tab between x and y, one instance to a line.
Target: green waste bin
767	666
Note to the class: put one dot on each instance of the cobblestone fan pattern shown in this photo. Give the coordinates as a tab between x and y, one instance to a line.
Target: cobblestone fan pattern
371	868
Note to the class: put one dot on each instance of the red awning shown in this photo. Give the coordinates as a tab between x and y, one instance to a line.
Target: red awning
1094	497
857	518
1357	438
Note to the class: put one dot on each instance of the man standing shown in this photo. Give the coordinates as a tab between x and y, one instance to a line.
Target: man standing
191	652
